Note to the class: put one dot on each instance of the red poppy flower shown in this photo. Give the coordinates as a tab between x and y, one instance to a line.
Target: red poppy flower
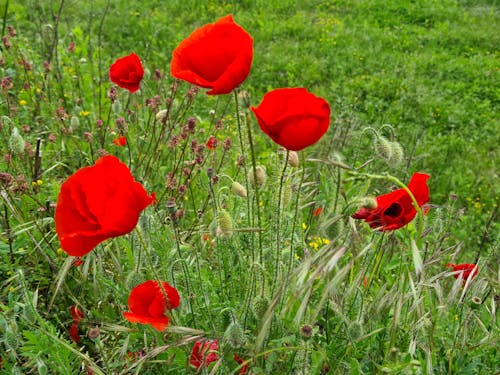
293	117
212	143
127	72
240	360
120	141
97	203
217	56
148	304
395	210
464	270
204	352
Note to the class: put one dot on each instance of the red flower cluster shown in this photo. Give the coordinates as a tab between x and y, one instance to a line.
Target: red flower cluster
395	210
217	56
464	270
77	315
204	352
127	72
293	117
97	203
148	302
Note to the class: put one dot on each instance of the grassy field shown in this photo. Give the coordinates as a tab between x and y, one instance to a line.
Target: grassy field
295	285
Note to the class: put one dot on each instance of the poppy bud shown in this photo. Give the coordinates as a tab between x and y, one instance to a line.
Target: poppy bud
293	159
16	142
161	115
397	154
234	335
116	106
383	148
238	189
369	203
75	122
259	307
42	367
225	223
260	176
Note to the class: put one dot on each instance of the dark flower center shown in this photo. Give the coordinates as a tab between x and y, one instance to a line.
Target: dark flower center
394	210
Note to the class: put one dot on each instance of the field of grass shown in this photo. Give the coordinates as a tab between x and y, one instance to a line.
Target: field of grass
284	277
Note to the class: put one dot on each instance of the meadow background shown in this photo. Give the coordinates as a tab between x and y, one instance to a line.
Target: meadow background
376	303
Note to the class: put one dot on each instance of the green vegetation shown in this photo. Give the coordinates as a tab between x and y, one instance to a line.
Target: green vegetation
291	290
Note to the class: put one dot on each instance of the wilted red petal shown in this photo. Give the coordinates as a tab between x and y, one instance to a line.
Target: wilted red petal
240	360
216	56
318	211
293	117
203	353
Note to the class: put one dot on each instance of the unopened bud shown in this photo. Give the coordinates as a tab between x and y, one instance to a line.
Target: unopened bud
239	189
16	142
293	159
225	223
369	203
235	336
397	154
260	176
259	307
161	115
116	106
75	122
383	148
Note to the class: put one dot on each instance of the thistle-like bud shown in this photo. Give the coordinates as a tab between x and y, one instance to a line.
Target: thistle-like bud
16	142
259	307
260	176
225	223
383	148
397	154
234	335
306	331
239	189
293	159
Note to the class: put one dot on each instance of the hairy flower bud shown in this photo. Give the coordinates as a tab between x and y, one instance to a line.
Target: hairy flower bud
397	154
225	223
260	176
239	189
383	148
16	142
234	335
259	307
293	159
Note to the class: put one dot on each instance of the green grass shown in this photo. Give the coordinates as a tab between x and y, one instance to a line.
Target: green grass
376	303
